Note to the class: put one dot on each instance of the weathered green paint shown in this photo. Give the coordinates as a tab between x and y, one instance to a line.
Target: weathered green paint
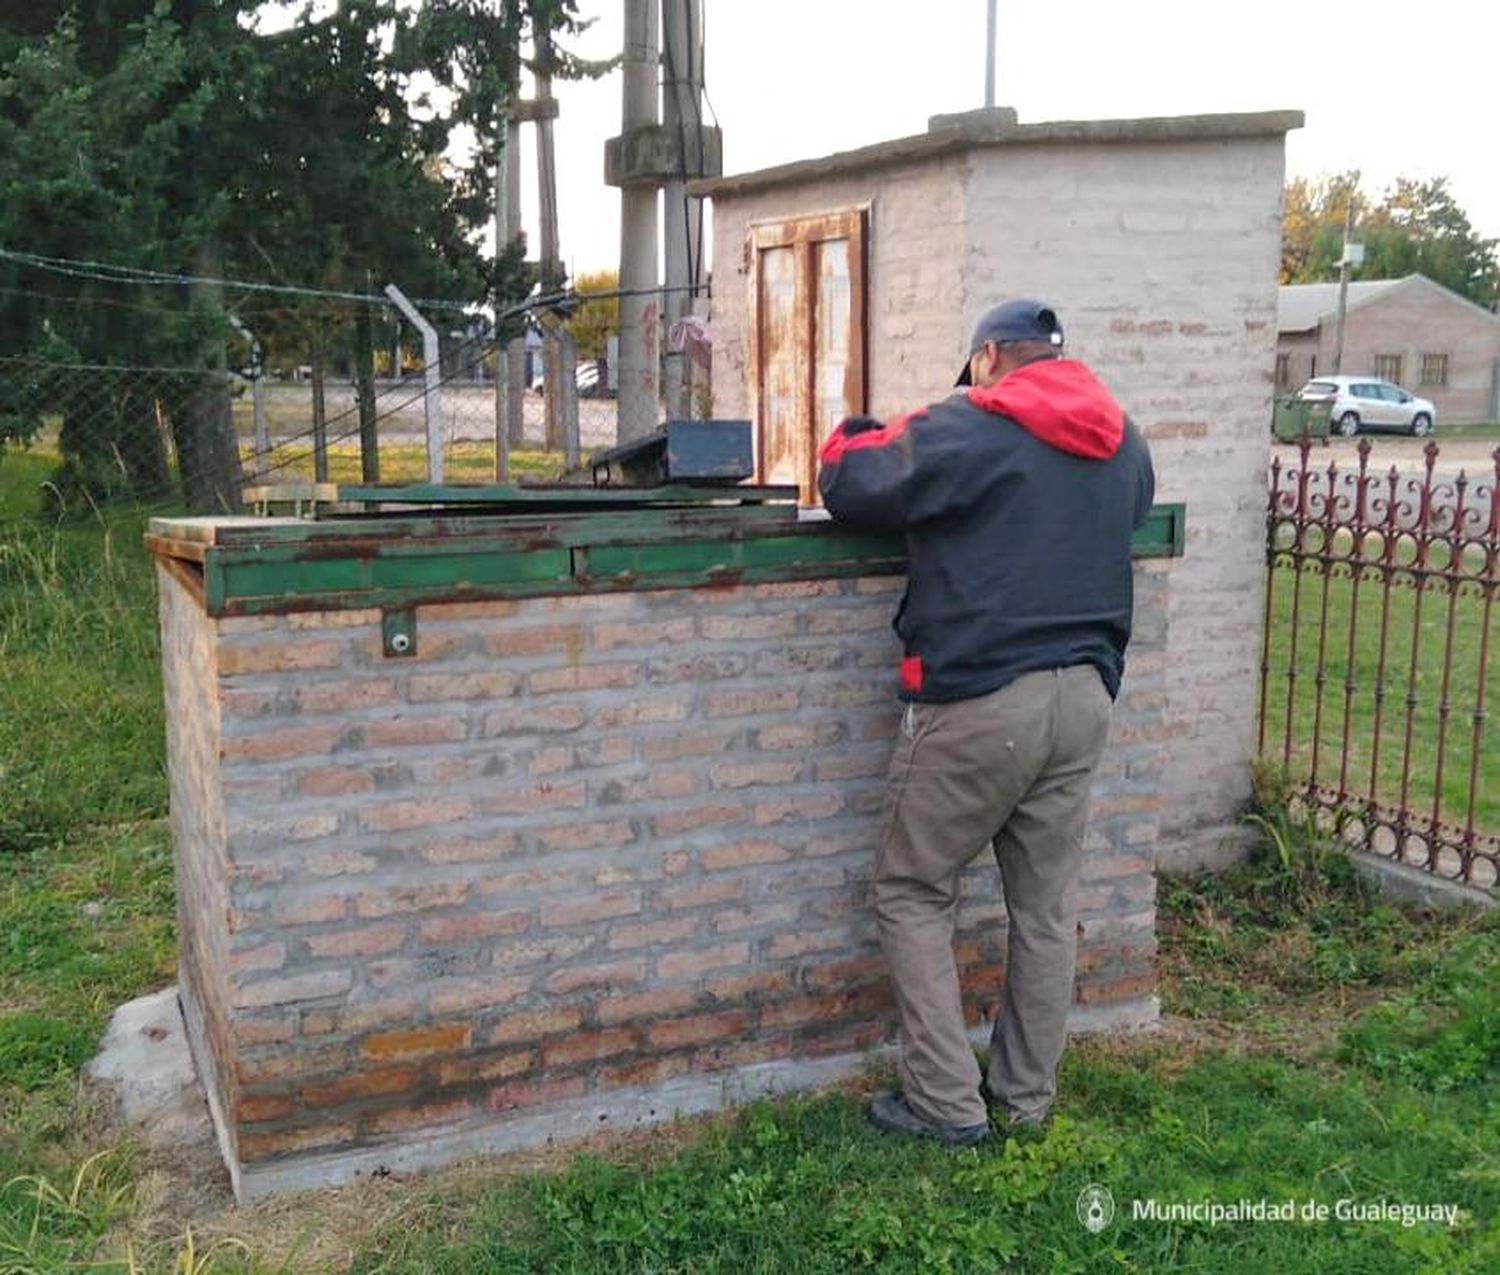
564	499
402	562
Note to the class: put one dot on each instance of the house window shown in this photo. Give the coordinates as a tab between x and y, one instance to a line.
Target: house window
1435	369
809	340
1283	371
1388	367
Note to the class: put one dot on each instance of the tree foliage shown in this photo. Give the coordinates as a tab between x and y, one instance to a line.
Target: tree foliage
596	318
1414	226
338	146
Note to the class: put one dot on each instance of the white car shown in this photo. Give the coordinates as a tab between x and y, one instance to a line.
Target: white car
1367	402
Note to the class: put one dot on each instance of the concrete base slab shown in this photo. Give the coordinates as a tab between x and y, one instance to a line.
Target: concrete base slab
145	1055
1406	884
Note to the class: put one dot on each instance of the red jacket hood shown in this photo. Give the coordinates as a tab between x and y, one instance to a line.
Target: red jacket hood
1062	403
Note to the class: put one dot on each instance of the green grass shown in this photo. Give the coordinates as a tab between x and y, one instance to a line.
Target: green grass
1322	1044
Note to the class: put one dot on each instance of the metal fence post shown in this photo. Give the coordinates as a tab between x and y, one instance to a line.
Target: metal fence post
432	374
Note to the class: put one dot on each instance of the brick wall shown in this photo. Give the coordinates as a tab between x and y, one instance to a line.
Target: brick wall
1162	258
582	859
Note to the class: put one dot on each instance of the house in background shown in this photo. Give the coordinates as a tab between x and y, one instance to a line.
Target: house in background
1421	335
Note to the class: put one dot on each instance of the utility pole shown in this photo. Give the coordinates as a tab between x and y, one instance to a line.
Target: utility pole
555	352
638	223
989	56
646	156
1352	255
682	119
502	239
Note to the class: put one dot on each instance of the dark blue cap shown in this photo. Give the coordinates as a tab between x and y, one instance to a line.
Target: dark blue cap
1019	319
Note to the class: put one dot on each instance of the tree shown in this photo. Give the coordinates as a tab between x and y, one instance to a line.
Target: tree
189	138
1415	227
596	318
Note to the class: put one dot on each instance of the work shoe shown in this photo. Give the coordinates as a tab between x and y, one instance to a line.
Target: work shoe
1001	1114
890	1111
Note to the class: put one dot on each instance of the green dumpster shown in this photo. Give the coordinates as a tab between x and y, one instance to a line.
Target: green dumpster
1294	417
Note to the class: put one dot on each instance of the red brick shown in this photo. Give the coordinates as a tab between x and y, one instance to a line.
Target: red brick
280	657
635	1006
751	988
391	1012
845	1040
278	745
623	937
714	666
402	732
336	781
656	785
640	711
398	816
588	911
293	987
745	703
678	744
840	842
463	1071
825	1007
736	919
535	1024
644	1072
606	637
540	796
417	1042
850	971
371	941
584	677
822	939
477	995
263	1031
801	735
493	845
374	904
339	863
744	774
699	893
754	627
367	1084
583	1047
674	1033
818	805
288	1064
619	974
424	688
687	964
1116	989
340	697
534	1093
474	925
241	701
675	822
849	693
399	1119
255	1146
513	641
527	718
585	836
742	854
265	956
743	1053
840	621
253	1108
435	611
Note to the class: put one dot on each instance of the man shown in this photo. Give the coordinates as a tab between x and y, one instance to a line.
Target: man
1018	497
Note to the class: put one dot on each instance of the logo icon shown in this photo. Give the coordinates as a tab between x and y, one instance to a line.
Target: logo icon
1096	1208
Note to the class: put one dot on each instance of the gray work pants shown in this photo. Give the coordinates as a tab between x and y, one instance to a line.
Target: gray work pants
1011	769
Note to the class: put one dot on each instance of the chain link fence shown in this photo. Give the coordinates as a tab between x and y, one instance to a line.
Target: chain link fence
336	389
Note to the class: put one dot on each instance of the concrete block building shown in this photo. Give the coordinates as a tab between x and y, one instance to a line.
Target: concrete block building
850	283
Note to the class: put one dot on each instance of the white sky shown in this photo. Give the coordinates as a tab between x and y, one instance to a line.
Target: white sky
1391	88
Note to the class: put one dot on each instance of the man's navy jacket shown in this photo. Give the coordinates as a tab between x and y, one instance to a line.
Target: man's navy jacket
1018	501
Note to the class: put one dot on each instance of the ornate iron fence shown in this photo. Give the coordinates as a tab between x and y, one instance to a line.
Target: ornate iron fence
1378	661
